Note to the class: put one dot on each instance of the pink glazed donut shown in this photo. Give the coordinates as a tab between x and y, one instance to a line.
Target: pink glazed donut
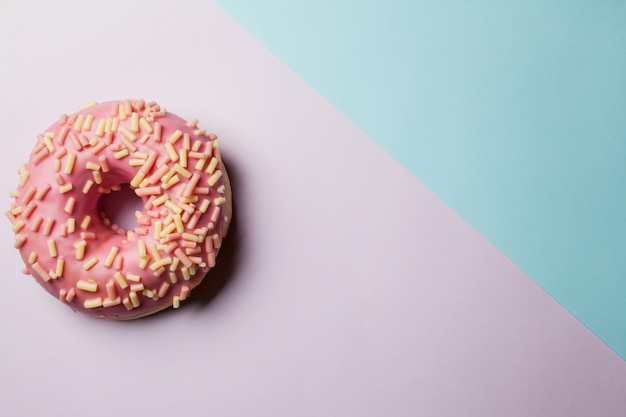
76	253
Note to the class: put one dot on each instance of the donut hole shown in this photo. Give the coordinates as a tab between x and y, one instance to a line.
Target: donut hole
117	209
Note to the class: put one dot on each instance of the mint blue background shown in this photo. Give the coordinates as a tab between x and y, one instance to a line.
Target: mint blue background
514	113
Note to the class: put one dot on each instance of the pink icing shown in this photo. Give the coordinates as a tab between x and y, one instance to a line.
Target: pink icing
42	214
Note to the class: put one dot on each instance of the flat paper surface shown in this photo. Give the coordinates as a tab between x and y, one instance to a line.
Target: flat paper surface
511	112
344	288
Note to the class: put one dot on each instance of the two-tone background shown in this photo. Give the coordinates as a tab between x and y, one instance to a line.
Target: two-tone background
430	202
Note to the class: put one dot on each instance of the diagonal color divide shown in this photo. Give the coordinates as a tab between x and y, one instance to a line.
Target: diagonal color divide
348	287
513	114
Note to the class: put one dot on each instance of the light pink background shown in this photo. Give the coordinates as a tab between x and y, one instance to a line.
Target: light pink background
345	288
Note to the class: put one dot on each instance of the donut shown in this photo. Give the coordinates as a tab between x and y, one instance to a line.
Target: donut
74	250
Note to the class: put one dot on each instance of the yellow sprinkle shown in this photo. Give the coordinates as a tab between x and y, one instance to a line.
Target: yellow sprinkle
192	123
212	165
134	122
199	132
182	155
78	125
60	267
219	200
136	162
85	223
144	262
100	128
120	280
97	176
88	105
133	277
161	263
174	265
175	136
171	152
176	301
158	227
178	221
32	258
65	188
90	286
196	146
115	124
190	199
141	247
169	174
190	237
52	248
169	229
71	225
134	298
200	164
129	135
80	249
204	206
172	206
146	125
160	200
138	178
121	154
47	140
186	274
213	178
88	122
154	252
87	186
90	263
111	257
19	225
69	164
92	166
24	175
181	170
93	302
171	182
108	125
